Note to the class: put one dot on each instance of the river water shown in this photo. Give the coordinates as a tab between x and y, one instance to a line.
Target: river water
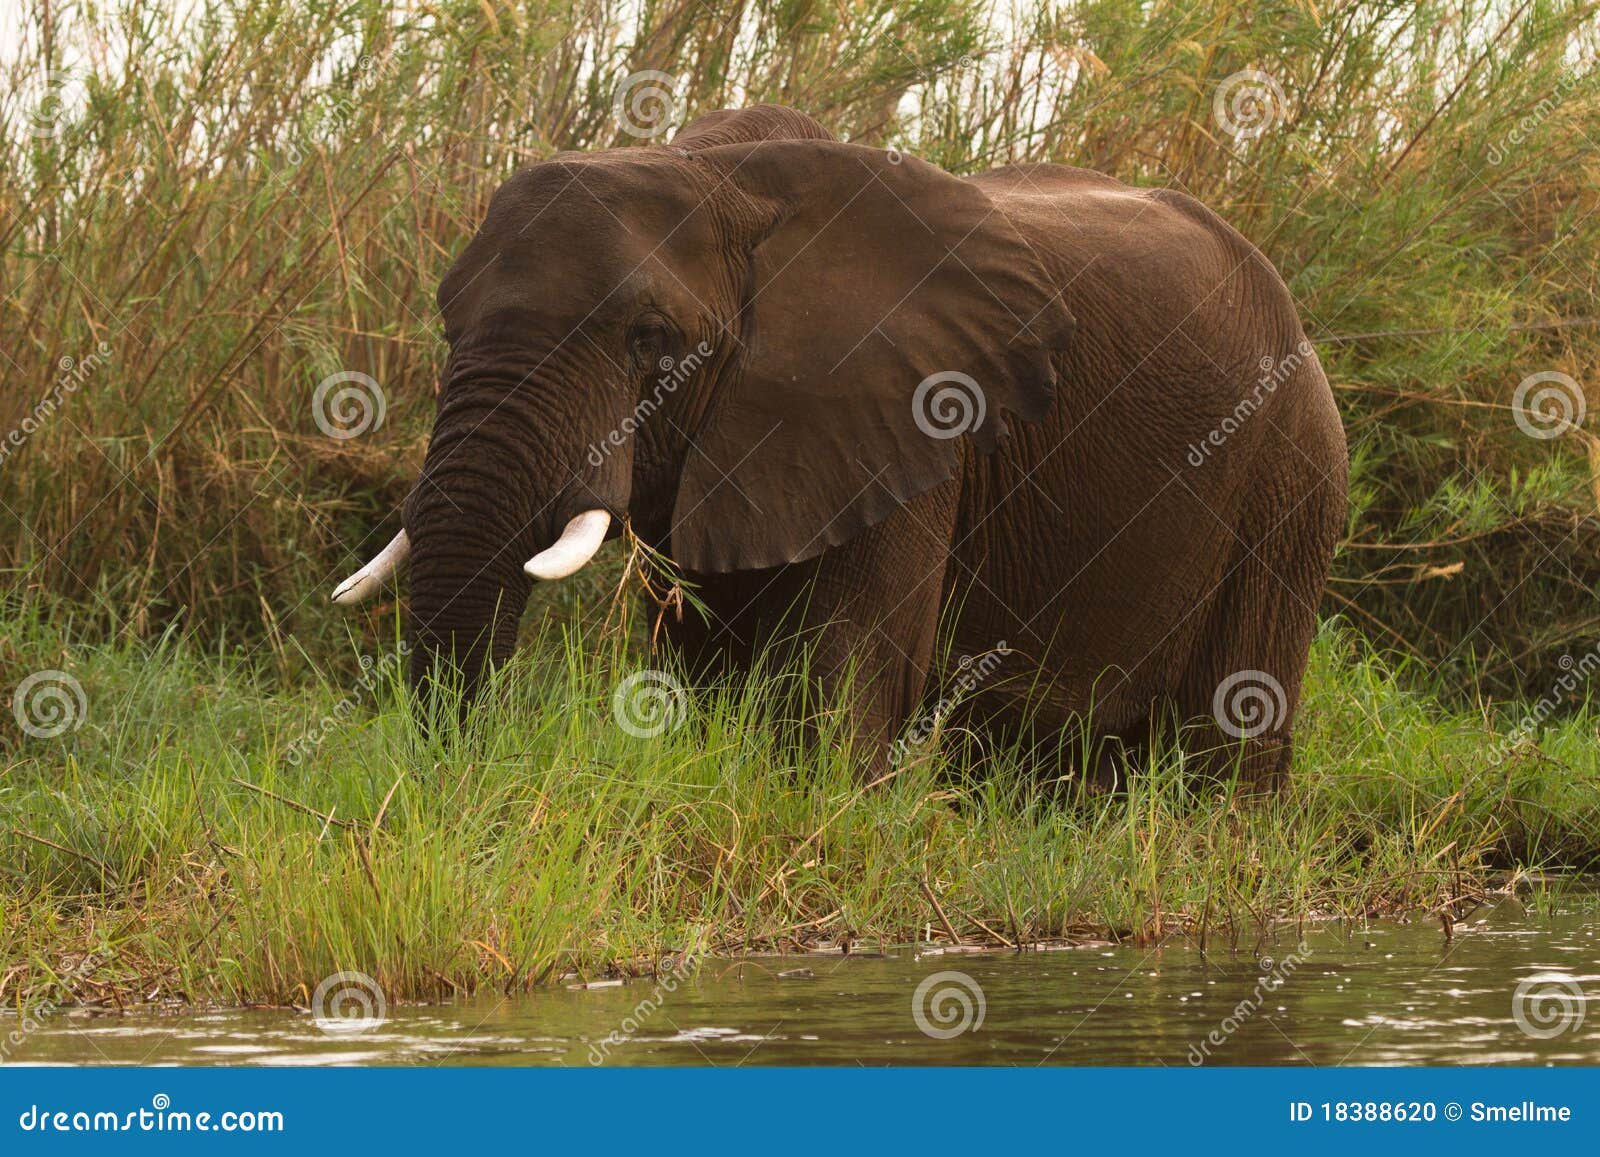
1509	987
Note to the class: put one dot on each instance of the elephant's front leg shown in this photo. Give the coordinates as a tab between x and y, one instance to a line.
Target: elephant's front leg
870	617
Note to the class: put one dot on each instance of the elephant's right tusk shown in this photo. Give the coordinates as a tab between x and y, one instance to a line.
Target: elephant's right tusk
573	549
370	579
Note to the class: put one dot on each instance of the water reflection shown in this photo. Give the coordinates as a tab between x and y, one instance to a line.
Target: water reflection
1380	994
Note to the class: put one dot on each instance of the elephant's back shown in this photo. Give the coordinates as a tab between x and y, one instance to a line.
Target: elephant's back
1175	308
1095	535
761	122
1148	254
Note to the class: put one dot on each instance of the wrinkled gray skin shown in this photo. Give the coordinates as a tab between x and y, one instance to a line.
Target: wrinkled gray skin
1143	511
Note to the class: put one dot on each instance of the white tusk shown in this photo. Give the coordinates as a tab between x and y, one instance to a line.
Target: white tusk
573	549
370	579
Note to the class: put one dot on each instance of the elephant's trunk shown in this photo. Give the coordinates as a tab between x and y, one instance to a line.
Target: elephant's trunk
468	543
508	495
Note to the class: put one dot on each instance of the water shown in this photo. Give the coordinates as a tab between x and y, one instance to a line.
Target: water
1386	993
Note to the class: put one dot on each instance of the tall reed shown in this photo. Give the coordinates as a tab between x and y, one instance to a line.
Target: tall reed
201	220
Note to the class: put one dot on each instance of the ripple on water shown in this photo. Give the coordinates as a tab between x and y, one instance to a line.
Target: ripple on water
1385	993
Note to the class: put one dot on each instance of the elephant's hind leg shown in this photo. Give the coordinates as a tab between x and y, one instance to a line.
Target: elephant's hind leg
1242	692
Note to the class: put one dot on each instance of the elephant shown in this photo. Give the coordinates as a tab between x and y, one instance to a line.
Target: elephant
1067	429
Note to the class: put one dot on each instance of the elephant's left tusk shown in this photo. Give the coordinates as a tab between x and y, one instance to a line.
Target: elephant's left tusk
573	549
369	580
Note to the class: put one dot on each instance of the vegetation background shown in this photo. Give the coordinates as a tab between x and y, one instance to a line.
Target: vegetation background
261	193
208	208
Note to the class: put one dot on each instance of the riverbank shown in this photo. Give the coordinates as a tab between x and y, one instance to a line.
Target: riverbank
1386	993
184	826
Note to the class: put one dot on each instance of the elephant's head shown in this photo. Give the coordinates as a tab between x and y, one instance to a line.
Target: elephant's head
731	345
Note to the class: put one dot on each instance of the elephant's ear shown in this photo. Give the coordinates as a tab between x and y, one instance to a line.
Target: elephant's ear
891	310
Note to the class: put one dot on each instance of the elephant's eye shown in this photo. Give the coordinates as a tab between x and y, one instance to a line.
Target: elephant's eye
646	342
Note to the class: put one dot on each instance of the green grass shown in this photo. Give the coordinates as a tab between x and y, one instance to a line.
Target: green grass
173	834
221	212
